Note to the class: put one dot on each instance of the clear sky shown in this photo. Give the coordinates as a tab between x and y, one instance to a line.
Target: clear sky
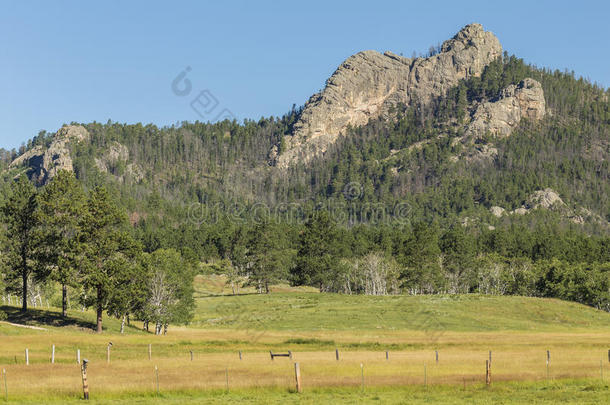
63	61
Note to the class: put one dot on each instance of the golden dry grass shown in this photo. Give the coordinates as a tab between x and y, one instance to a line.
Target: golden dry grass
516	357
466	328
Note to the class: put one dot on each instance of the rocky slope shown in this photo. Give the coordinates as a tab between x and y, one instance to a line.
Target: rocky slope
548	199
500	117
118	154
367	85
43	164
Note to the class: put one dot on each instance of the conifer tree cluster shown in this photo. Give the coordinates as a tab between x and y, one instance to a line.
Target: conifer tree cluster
82	243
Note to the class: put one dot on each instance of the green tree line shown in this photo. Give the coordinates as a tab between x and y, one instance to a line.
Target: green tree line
62	235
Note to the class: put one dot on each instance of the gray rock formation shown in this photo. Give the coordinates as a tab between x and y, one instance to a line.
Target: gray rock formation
497	211
367	85
45	164
42	164
499	118
117	152
546	198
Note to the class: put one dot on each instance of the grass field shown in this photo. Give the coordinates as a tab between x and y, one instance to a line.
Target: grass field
463	329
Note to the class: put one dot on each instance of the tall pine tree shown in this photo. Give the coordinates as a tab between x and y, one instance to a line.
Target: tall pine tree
61	213
20	216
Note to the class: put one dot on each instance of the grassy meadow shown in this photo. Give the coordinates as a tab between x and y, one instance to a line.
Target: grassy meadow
462	329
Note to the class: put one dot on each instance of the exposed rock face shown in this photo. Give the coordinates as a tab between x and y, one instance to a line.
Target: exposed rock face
367	85
117	152
526	100
546	198
500	117
45	164
135	172
497	211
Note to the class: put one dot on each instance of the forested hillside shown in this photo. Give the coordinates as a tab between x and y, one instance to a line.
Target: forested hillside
398	205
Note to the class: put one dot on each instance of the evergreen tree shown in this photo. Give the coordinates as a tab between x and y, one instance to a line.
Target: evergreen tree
61	211
129	292
318	255
19	212
269	257
420	257
458	247
110	251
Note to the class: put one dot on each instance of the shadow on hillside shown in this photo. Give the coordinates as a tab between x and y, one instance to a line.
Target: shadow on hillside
213	295
41	317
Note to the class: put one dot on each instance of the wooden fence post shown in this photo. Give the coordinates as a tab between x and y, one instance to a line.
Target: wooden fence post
53	355
27	357
157	378
108	353
487	372
78	356
149	351
240	355
337	354
425	376
387	355
191	355
5	385
436	354
548	363
227	377
362	373
297	376
85	383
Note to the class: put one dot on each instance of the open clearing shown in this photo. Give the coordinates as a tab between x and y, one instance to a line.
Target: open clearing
462	329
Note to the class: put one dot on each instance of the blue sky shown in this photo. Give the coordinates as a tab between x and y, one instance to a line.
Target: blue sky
81	61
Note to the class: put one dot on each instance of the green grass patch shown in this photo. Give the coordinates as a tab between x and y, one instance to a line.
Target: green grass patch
565	392
460	313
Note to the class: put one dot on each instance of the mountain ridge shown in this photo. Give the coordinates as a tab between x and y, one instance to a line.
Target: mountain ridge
448	158
369	84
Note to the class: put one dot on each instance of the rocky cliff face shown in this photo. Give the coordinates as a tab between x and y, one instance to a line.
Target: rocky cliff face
44	164
115	154
367	85
548	199
499	118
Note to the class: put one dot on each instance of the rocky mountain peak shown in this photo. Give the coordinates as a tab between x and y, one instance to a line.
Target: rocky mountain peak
43	164
368	84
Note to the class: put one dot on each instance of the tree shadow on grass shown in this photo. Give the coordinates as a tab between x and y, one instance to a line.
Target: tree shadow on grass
41	317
